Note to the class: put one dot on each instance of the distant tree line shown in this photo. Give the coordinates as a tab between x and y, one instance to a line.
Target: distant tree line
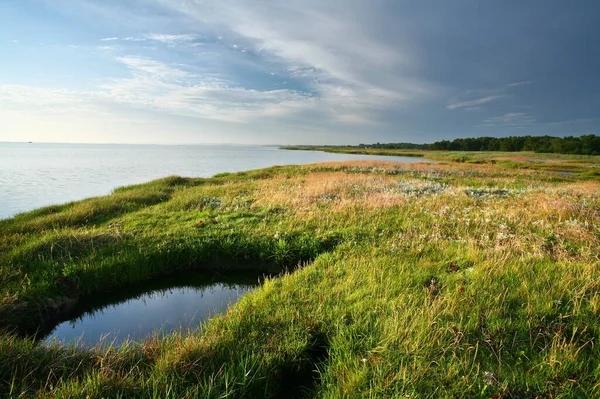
583	145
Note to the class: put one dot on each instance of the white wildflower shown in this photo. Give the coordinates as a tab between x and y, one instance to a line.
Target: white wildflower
489	378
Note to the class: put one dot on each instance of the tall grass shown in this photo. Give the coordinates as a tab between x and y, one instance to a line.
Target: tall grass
424	281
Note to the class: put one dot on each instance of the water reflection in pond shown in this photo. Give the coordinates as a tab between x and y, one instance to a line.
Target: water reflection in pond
562	172
163	306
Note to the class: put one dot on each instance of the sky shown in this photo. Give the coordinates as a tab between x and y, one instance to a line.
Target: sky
296	71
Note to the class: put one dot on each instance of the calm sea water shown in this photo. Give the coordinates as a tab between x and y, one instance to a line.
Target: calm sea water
34	175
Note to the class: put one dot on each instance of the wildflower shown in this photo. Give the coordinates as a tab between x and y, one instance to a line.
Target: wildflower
504	236
489	378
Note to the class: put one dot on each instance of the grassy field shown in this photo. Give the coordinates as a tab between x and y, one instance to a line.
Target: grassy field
584	165
446	280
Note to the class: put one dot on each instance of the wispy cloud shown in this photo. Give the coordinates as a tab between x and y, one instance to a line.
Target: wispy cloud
170	39
334	73
106	48
155	37
341	64
165	88
522	120
485	96
152	68
519	83
473	103
174	90
514	119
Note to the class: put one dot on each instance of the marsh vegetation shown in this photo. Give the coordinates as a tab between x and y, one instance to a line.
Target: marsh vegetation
395	280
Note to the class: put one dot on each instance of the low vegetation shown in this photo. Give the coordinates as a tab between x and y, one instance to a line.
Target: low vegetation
588	166
396	280
583	145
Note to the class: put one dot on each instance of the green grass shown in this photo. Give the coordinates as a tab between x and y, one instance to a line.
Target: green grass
421	281
359	151
585	165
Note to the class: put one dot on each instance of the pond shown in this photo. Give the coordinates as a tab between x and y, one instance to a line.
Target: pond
562	172
161	306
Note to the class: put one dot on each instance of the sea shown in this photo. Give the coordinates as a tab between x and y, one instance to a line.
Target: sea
34	175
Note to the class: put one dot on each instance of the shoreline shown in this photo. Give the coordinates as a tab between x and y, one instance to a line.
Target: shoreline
80	172
587	165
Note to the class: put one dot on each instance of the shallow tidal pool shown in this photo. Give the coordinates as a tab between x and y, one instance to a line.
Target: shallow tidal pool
160	306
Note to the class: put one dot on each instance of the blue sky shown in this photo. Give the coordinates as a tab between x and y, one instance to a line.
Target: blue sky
296	71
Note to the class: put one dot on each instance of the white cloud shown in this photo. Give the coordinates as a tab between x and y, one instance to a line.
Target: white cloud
173	89
519	83
474	102
170	39
153	68
156	37
486	96
105	48
160	87
514	119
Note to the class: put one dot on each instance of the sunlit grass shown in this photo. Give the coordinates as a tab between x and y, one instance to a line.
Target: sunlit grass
586	166
422	280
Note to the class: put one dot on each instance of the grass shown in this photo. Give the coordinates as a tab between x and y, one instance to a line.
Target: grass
587	166
358	151
399	280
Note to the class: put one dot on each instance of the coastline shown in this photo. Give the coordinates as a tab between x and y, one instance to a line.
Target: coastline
587	165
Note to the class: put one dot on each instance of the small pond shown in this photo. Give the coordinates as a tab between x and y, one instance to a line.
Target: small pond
562	172
161	306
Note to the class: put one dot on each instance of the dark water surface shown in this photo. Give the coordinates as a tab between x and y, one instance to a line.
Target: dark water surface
162	306
562	172
35	175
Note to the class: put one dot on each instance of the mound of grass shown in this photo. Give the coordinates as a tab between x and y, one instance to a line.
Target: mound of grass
423	280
